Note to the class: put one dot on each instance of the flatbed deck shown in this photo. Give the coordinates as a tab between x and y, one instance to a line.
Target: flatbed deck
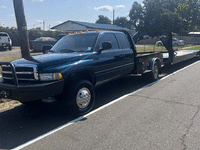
180	56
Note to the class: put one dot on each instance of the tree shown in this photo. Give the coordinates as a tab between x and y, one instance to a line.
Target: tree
190	14
122	22
136	15
156	15
171	22
103	20
152	15
33	34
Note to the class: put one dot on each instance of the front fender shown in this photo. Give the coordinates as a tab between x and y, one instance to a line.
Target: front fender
82	73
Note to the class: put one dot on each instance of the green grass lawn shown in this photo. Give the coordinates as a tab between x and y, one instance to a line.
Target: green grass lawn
150	48
191	47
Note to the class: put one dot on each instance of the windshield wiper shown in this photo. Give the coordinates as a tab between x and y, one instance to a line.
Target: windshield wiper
67	50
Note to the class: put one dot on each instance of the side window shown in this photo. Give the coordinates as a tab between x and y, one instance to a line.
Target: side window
123	41
109	37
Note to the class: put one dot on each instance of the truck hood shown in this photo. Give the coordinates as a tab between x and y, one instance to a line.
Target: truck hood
52	59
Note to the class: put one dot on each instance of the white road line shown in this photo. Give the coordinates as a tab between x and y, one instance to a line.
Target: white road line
94	111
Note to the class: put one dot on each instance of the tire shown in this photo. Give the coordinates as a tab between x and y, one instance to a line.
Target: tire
81	98
176	45
154	74
10	48
159	44
45	50
3	48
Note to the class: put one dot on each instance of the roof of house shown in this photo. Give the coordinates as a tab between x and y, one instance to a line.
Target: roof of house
194	33
80	26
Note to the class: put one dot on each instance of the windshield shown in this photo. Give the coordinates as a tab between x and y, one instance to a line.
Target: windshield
84	42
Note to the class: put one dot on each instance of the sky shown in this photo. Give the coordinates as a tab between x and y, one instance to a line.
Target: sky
54	12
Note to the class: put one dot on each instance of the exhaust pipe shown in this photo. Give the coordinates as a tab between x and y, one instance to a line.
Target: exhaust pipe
22	28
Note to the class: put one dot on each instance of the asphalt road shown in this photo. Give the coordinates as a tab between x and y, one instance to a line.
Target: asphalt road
163	116
15	52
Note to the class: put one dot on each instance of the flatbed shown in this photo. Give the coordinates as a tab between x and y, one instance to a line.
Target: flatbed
180	56
171	56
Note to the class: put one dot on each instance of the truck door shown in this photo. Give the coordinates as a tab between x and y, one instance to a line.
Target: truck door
110	62
124	44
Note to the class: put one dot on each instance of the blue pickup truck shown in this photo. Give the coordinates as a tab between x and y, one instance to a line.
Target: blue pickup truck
74	66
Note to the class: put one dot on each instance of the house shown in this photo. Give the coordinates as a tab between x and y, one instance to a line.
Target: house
83	26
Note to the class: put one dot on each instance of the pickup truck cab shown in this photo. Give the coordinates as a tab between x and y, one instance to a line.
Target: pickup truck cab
74	66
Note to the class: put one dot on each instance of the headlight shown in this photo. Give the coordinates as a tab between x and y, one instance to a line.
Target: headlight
50	76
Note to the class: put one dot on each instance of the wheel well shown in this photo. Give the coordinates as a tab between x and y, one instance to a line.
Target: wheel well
81	75
152	62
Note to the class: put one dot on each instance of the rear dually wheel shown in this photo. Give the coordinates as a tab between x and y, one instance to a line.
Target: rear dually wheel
154	74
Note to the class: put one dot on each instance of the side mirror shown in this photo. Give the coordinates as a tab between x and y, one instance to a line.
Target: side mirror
105	46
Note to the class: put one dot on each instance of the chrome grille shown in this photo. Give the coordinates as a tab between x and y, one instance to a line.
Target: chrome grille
23	73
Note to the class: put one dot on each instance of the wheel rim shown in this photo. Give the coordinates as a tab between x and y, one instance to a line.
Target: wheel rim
155	72
83	98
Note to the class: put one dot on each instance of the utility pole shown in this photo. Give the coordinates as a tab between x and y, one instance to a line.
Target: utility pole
22	28
113	15
43	25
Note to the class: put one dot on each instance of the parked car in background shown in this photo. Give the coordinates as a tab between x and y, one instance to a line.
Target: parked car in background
175	42
5	41
42	44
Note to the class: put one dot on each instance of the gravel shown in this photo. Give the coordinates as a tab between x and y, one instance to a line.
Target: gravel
7	103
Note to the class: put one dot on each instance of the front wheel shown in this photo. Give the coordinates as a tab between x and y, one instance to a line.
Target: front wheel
81	98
